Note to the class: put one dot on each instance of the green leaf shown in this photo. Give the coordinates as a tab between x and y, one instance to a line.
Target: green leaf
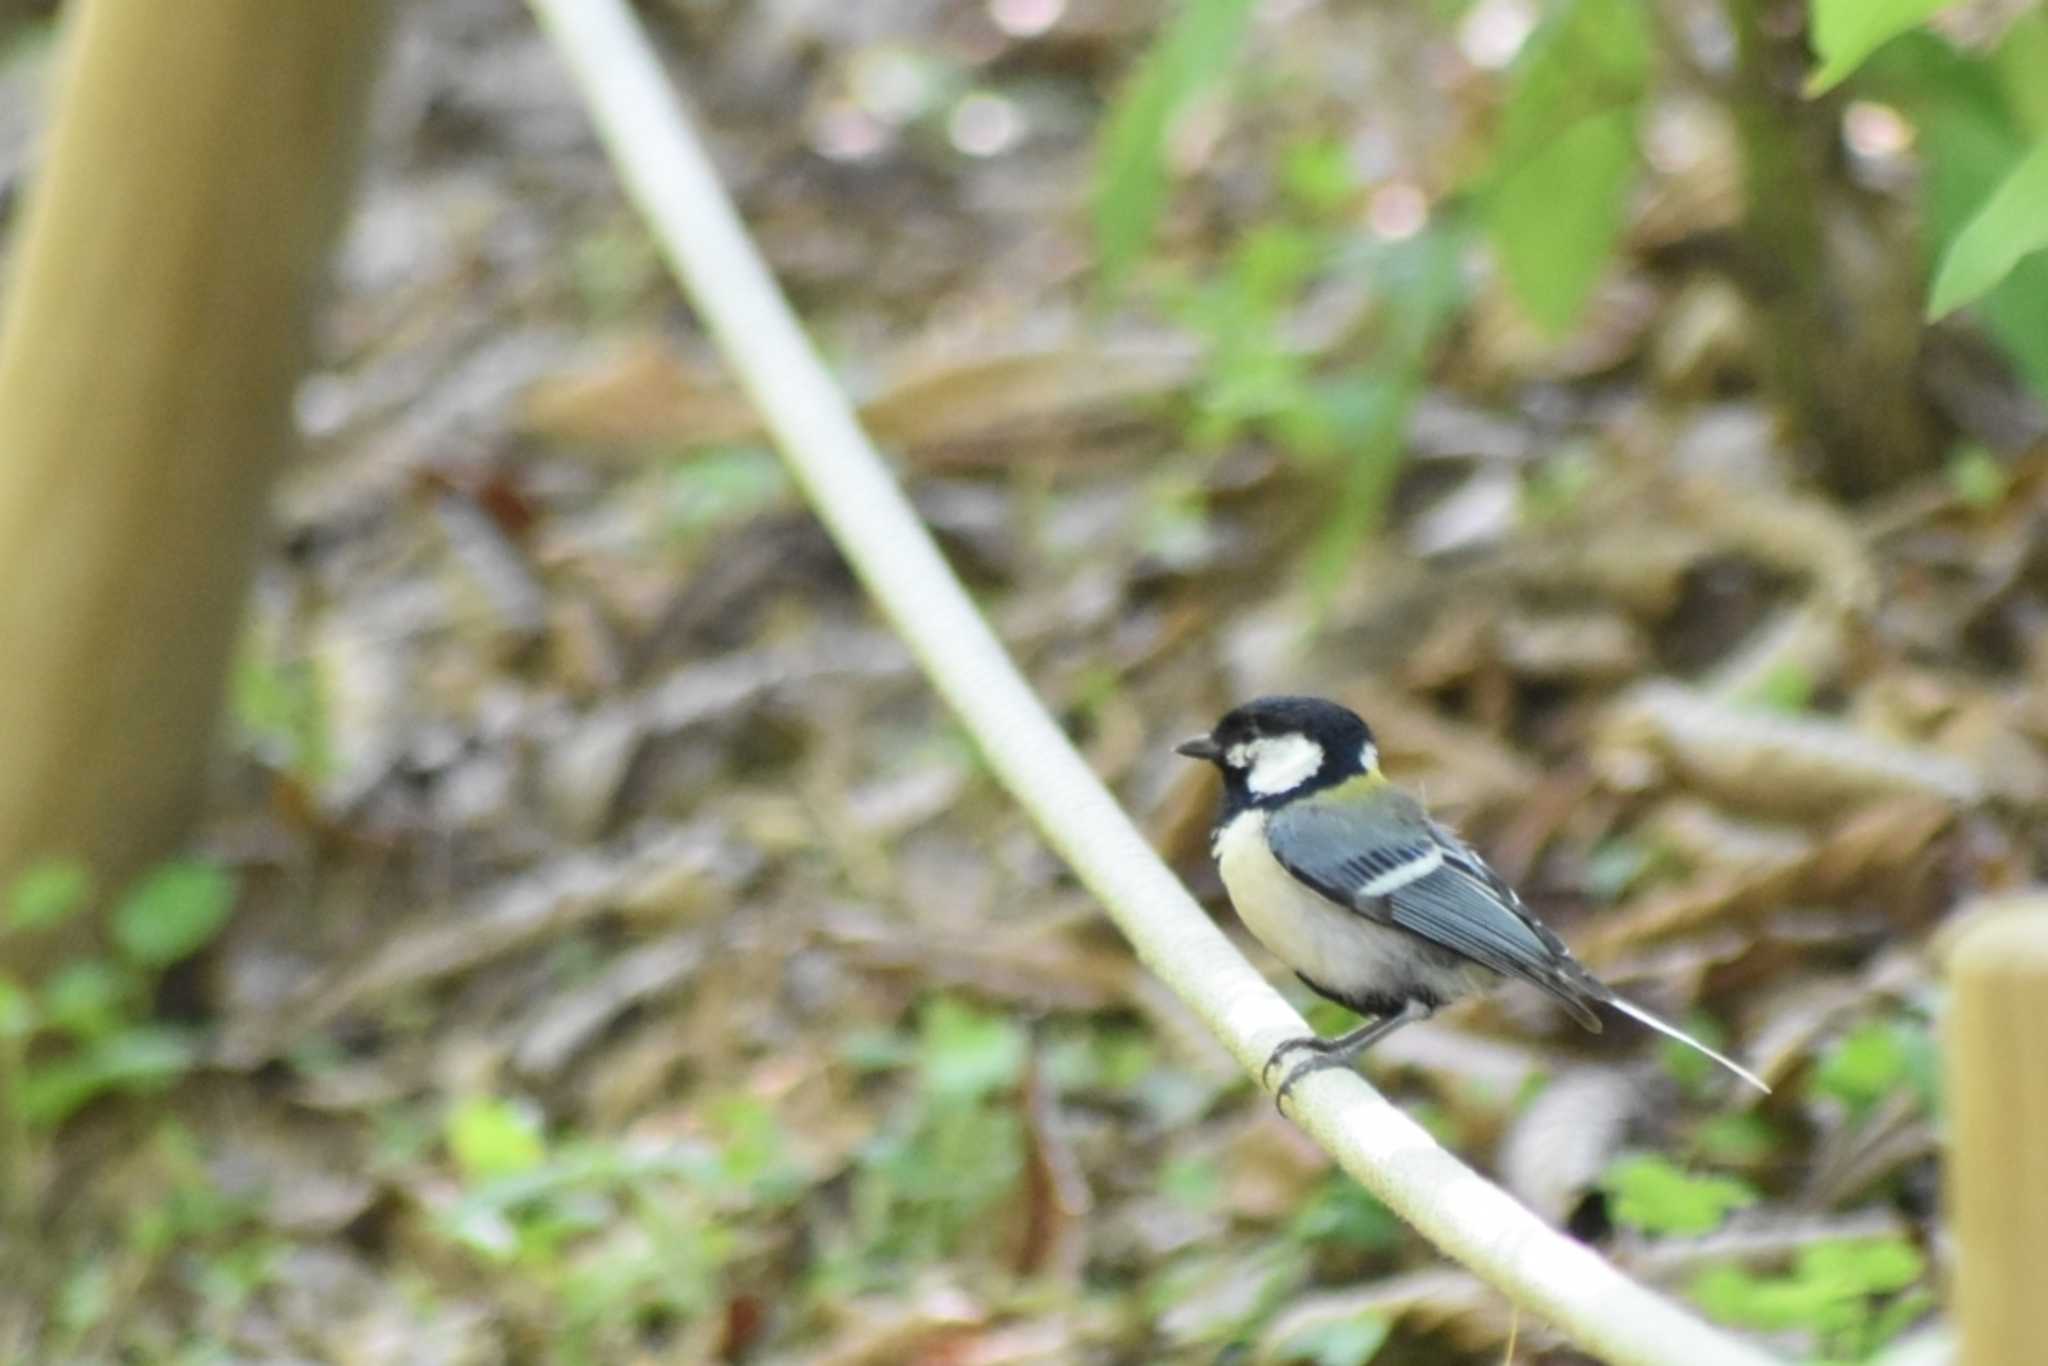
2012	224
965	1054
173	912
48	894
1977	477
143	1059
1373	415
1554	218
1347	1342
1832	1290
1868	1064
1879	1058
1567	154
1130	178
754	1152
18	1015
490	1138
1652	1194
281	708
1737	1138
1970	145
88	998
1345	1213
1847	31
1788	687
1193	1183
2018	60
1316	173
721	485
1591	58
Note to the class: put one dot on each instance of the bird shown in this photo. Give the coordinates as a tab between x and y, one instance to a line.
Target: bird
1373	904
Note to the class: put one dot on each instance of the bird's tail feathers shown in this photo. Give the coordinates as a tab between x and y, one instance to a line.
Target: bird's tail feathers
1672	1031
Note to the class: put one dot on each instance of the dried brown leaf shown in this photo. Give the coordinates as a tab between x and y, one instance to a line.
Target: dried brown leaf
1057	1202
1557	1148
1766	762
642	394
1472	1314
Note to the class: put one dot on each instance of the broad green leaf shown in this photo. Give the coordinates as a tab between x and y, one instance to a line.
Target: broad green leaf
1737	1138
1371	414
1555	218
1566	155
47	894
721	485
172	912
18	1015
2018	61
1831	1290
1592	57
1977	477
1847	31
142	1059
1346	1342
1130	178
1317	174
2012	224
1343	1213
1970	140
491	1138
1652	1194
967	1054
1876	1059
88	999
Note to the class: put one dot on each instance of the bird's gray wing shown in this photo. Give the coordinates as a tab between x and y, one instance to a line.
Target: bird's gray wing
1395	865
1348	851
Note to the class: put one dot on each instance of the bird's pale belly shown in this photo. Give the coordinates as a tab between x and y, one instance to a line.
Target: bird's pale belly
1341	952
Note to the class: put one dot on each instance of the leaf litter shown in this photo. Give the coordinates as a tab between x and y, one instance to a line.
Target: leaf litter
635	823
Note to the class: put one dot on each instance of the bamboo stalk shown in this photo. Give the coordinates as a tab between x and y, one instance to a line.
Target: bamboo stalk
155	326
669	174
1997	1060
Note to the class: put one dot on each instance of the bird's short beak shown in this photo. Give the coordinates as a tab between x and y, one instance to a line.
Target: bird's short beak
1201	747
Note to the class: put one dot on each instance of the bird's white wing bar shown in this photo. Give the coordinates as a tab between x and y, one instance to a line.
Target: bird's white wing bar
1425	862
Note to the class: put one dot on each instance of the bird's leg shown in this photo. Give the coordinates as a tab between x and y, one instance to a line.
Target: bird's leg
1340	1051
1344	1046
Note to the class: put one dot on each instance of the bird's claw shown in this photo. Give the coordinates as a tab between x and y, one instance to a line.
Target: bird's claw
1322	1062
1308	1041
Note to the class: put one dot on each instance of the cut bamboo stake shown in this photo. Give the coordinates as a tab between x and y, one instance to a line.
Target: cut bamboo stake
1996	1051
669	174
159	300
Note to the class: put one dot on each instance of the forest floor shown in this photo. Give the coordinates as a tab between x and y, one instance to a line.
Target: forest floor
634	962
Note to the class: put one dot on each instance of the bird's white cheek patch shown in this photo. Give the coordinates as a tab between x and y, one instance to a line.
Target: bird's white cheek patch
1282	763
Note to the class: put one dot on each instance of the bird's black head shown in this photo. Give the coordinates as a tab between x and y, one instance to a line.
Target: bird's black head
1275	748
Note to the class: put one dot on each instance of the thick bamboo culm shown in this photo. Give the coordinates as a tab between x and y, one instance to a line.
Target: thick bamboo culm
1997	1063
158	302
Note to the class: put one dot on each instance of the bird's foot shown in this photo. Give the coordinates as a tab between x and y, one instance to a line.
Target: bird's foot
1339	1052
1322	1062
1307	1043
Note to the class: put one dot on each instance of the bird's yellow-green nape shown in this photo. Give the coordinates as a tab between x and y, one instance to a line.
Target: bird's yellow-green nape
1367	785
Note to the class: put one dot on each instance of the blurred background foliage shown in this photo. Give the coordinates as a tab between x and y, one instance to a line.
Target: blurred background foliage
601	948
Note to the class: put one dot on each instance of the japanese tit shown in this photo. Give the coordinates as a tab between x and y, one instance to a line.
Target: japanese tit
1374	905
